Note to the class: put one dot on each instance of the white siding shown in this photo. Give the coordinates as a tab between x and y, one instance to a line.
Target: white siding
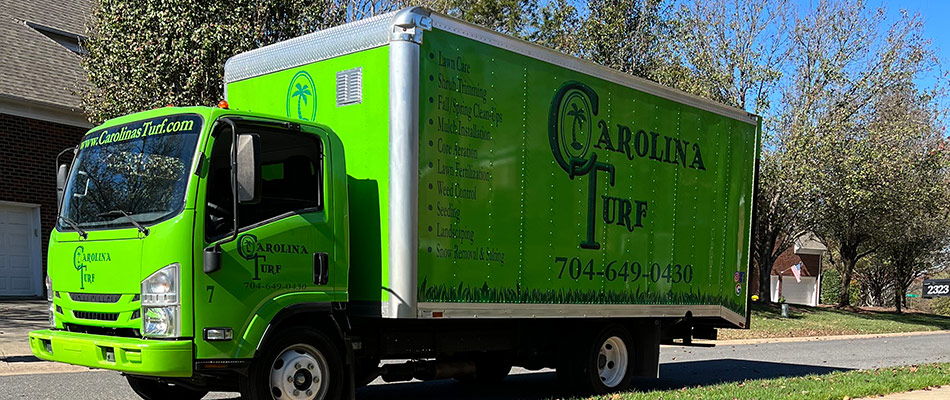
803	293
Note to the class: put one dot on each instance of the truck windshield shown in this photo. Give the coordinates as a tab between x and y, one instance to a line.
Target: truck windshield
137	171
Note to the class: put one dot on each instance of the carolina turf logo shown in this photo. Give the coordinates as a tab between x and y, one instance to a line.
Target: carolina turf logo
250	248
571	130
81	261
301	97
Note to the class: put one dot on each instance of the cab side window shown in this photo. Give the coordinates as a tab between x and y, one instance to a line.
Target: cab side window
291	178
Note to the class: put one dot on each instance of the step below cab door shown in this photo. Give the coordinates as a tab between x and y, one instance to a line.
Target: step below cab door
283	253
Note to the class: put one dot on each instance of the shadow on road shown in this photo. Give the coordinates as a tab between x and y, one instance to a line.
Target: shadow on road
543	385
23	315
19	359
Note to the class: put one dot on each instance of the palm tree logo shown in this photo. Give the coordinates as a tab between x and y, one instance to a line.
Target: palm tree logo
301	92
247	246
579	120
574	105
301	95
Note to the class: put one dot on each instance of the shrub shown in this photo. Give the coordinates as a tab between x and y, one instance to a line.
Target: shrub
831	287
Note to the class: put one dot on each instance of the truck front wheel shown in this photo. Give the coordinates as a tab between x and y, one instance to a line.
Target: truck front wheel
296	364
150	389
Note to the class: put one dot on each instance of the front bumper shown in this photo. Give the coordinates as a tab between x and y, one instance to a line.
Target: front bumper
170	358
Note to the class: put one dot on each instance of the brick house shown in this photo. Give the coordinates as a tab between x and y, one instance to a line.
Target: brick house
808	251
40	74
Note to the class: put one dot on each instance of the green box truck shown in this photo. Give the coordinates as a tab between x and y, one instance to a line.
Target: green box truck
406	187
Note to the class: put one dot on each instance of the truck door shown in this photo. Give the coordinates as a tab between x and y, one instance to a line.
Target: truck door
284	241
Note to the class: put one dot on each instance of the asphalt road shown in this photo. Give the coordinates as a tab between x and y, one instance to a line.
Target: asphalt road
680	367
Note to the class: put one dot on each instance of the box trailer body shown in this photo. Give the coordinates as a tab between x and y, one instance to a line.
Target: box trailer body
510	174
406	186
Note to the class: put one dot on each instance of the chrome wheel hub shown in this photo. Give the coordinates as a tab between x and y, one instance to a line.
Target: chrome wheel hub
299	373
612	361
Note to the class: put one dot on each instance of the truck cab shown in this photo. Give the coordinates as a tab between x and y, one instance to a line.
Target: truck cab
154	204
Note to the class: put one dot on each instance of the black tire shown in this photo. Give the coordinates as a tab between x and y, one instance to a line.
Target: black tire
295	345
150	389
579	366
489	368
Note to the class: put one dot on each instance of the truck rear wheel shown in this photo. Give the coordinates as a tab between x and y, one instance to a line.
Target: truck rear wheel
296	364
150	389
602	364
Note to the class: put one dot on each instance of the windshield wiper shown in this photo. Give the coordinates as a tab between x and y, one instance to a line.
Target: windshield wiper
74	225
141	228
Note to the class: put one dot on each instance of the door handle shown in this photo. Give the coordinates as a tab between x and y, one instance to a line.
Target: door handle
321	268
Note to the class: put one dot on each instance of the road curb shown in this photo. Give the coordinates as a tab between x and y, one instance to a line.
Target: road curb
734	342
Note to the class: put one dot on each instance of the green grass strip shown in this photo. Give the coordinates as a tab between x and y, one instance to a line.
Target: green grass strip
835	385
767	322
465	293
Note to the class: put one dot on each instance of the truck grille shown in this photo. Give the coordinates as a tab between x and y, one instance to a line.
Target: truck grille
95	298
99	316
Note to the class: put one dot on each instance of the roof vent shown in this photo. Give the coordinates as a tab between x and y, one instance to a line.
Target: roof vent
70	41
349	87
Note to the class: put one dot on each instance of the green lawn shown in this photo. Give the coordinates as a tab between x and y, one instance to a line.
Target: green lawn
767	322
836	385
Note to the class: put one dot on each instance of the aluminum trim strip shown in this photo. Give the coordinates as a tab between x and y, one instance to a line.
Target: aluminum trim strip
309	48
403	178
446	23
733	317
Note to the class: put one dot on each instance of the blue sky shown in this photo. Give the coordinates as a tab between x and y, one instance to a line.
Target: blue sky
936	15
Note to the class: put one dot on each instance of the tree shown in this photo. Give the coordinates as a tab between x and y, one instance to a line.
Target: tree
919	228
630	36
143	55
555	26
873	281
845	56
776	224
734	49
511	17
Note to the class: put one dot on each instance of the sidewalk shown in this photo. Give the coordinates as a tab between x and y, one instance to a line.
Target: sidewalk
939	393
17	318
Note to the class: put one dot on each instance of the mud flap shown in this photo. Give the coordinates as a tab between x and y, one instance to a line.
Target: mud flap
349	382
646	362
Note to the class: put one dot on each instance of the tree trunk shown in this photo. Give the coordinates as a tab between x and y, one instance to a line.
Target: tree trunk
765	281
844	298
898	293
877	295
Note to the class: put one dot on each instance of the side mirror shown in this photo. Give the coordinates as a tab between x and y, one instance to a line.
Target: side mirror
61	174
212	259
249	168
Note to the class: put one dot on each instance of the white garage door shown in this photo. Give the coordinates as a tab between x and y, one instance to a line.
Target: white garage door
19	250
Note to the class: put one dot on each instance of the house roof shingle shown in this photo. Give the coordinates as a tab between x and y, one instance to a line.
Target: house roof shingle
33	67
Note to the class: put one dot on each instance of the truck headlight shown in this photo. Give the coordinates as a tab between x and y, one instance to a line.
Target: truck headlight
160	307
49	300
